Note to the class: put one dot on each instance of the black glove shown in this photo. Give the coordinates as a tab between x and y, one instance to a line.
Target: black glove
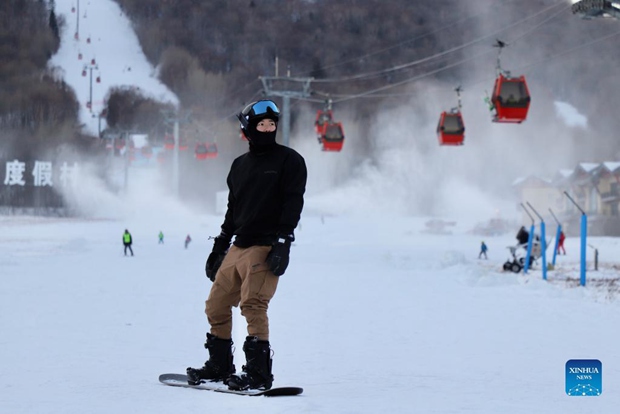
215	259
278	257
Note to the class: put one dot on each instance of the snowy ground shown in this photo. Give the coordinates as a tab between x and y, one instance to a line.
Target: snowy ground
372	316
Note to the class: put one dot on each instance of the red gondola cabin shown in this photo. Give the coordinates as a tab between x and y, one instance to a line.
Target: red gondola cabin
146	151
511	99
451	129
204	151
333	137
168	142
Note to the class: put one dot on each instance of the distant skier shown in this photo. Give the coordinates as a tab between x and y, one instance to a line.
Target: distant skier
523	236
561	243
187	241
161	237
483	251
127	241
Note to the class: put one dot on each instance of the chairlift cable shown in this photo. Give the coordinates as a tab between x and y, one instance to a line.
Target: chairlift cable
412	79
404	42
369	75
554	56
469	85
427	34
420	61
371	93
548	19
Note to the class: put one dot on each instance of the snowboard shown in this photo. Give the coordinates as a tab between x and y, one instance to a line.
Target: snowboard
180	380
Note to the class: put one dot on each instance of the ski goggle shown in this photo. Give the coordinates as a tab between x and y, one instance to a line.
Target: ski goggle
257	109
261	108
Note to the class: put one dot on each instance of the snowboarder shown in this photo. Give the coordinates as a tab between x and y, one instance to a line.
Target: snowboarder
561	243
483	250
187	241
161	237
265	199
127	241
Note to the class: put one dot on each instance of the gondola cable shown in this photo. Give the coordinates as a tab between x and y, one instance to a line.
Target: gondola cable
370	75
372	93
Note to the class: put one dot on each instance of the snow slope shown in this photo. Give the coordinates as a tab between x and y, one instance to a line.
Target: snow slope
372	316
105	35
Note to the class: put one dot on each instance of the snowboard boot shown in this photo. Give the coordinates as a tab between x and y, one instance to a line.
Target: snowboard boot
257	371
220	364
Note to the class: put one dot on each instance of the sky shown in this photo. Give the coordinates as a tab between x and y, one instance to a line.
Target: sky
373	314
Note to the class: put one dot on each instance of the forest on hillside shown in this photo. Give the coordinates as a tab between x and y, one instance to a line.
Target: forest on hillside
211	53
36	107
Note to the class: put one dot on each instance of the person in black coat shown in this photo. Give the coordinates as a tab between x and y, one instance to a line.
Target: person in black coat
265	199
523	236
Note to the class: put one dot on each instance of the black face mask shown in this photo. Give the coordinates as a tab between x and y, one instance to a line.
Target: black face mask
260	139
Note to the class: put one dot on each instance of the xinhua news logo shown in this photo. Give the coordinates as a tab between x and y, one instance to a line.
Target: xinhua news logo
584	377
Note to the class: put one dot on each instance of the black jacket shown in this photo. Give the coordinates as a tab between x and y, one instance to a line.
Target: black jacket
265	197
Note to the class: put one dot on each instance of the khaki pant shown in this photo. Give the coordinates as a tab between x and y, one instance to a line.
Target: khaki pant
244	280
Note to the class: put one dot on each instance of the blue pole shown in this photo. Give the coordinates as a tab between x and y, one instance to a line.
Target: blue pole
557	242
526	265
543	246
584	232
